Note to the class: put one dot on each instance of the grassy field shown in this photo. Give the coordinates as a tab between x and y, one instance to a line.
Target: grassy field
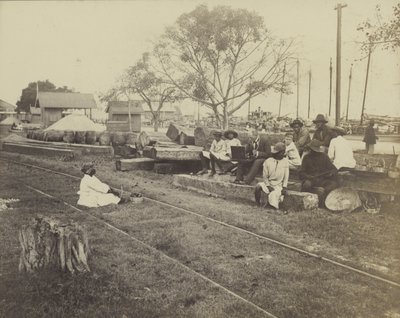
130	280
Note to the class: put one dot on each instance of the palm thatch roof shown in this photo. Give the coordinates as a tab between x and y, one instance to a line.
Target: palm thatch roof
66	100
121	107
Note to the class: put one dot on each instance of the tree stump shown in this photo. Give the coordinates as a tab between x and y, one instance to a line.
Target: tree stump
46	243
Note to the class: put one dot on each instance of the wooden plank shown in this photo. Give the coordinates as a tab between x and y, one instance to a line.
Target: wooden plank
174	133
134	164
36	150
164	167
294	200
184	139
172	154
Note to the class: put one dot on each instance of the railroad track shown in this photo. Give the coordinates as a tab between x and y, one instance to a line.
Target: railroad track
233	227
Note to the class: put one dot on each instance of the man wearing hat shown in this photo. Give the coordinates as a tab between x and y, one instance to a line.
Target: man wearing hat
218	151
317	172
370	137
301	135
275	177
340	151
259	149
322	133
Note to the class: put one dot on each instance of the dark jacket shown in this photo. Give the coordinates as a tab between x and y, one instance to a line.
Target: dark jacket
316	165
324	135
301	139
264	147
370	137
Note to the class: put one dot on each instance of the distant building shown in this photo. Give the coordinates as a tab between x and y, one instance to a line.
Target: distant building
118	115
7	110
54	105
169	112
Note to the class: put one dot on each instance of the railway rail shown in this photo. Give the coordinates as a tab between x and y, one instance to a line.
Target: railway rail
233	227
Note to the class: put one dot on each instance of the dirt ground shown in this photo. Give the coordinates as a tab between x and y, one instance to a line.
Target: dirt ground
129	280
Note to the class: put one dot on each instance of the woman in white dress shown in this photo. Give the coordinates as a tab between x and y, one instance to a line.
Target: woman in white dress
94	193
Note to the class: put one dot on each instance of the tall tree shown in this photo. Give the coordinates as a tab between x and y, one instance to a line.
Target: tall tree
29	94
140	80
385	33
222	58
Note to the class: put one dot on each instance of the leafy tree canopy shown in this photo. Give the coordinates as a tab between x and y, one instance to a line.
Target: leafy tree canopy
28	95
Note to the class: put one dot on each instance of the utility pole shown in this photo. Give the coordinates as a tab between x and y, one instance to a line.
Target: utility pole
348	93
297	104
339	8
309	93
365	87
330	87
283	81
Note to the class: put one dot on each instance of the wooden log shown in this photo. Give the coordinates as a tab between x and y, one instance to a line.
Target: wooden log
164	168
134	164
173	132
47	243
173	154
185	139
54	135
180	134
32	149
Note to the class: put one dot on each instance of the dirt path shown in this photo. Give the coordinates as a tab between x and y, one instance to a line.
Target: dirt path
273	278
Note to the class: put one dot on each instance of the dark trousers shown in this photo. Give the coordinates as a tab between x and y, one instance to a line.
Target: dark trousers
255	167
205	162
327	184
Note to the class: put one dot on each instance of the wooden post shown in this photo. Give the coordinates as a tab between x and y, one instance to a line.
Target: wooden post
330	87
309	93
348	93
338	59
365	87
280	99
297	103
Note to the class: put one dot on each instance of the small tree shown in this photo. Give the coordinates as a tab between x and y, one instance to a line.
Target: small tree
29	94
222	58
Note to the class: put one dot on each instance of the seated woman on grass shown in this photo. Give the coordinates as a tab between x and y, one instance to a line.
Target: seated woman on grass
275	175
93	193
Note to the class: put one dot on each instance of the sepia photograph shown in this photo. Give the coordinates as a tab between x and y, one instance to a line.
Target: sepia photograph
200	159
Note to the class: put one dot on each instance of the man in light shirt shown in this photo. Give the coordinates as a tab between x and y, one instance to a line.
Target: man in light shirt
340	151
292	153
218	151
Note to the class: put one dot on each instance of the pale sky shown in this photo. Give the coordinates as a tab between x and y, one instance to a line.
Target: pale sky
86	45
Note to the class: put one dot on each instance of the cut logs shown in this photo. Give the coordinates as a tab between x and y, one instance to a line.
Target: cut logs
47	243
179	134
173	154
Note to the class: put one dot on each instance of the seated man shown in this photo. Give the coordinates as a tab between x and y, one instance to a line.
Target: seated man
218	151
317	172
340	151
292	154
94	193
259	150
231	139
301	135
275	175
322	132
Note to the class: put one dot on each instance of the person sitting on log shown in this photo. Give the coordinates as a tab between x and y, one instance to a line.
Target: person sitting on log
317	172
94	193
301	135
322	132
259	150
340	151
292	153
231	139
218	152
275	177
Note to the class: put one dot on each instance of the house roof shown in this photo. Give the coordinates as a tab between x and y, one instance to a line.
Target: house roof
66	100
4	106
121	107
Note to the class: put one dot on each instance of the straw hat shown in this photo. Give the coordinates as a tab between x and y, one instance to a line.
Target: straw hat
234	133
320	119
296	122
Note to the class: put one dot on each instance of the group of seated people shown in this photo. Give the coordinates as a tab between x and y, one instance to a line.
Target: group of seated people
317	160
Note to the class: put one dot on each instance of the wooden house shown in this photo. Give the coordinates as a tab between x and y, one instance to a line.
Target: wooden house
53	105
118	115
7	110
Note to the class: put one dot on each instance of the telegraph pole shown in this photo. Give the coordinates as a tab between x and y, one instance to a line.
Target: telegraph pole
348	93
297	105
330	87
283	81
339	8
365	87
309	93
